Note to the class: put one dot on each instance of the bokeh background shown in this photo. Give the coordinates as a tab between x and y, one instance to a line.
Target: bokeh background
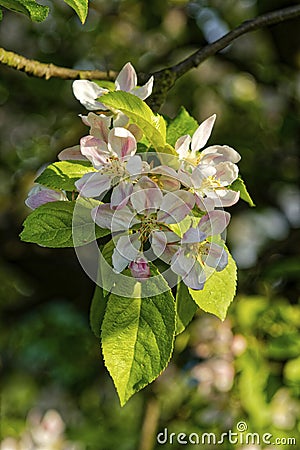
246	368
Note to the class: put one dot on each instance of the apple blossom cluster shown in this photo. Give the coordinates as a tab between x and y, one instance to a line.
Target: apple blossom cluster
154	211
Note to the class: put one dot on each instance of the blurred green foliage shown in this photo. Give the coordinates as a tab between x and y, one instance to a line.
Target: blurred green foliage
247	368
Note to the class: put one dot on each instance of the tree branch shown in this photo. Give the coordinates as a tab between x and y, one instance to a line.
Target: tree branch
165	78
42	70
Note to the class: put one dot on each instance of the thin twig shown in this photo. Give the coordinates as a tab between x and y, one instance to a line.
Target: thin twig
42	70
165	78
249	25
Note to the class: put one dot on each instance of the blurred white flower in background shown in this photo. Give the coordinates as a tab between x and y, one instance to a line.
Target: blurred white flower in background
41	433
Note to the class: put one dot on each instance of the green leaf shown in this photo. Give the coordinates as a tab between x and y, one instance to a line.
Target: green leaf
152	125
182	124
97	310
63	174
53	224
30	8
137	338
239	185
219	290
185	307
1	15
80	7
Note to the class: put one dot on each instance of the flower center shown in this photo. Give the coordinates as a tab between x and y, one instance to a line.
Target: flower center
196	250
114	168
148	224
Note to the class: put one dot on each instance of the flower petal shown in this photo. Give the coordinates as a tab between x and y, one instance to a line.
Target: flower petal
134	165
214	222
175	206
120	119
168	178
144	91
146	195
201	173
114	220
201	135
99	125
223	198
127	79
120	194
121	142
193	235
205	203
94	150
93	184
184	177
39	195
164	244
127	250
71	154
216	256
182	146
87	92
219	153
227	173
189	269
196	277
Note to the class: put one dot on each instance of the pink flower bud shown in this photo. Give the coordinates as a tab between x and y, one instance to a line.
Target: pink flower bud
140	268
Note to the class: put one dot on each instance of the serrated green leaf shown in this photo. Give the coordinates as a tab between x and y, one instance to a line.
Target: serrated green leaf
97	310
30	8
239	185
63	174
80	7
185	307
219	290
182	124
52	225
152	125
137	338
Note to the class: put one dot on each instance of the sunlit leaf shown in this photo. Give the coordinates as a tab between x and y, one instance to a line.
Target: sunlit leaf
52	225
182	124
239	185
185	307
218	291
63	174
152	125
80	7
137	338
30	8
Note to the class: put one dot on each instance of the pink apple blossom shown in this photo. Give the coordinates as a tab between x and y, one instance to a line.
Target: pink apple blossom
39	195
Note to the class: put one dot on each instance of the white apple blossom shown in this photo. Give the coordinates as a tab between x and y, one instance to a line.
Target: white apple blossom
88	92
188	147
196	251
210	172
